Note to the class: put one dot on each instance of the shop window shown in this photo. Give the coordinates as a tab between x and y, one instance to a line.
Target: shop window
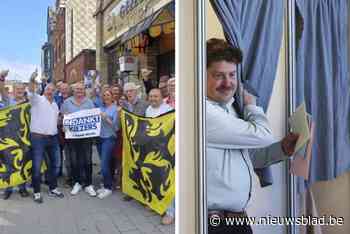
166	64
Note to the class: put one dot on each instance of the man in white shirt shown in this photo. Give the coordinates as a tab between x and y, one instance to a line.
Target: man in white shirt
229	136
157	107
44	138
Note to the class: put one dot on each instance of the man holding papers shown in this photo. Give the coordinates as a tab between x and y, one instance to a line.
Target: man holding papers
229	169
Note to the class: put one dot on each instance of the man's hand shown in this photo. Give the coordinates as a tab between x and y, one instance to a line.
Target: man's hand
32	82
104	115
3	75
289	142
248	98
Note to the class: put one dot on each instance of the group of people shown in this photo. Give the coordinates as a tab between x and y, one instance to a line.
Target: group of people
75	155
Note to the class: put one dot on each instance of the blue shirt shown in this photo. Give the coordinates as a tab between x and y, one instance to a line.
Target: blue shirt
108	130
58	99
70	106
4	102
98	101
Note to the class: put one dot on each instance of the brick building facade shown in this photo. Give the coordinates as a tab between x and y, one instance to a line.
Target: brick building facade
58	46
84	61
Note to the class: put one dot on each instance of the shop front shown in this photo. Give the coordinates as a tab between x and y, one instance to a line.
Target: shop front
139	41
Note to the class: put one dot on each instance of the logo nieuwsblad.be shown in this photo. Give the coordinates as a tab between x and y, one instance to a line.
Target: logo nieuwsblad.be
285	221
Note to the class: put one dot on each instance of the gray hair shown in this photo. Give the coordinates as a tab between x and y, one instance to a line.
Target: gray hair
50	85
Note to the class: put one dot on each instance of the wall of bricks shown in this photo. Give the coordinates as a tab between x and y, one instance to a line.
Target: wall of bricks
85	60
58	42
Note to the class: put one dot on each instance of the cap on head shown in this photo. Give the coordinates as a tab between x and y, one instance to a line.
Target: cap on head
131	86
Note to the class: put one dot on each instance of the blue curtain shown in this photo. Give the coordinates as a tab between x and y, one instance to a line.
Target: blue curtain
255	26
322	79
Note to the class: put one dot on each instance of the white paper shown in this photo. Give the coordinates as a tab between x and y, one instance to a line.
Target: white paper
82	124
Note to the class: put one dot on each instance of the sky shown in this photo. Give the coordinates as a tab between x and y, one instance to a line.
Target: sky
22	33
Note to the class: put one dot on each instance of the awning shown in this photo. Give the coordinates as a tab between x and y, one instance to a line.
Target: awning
145	24
140	27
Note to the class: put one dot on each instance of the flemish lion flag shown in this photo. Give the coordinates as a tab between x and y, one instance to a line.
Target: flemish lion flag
15	167
149	159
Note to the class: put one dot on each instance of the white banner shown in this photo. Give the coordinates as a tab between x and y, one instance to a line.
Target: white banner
82	124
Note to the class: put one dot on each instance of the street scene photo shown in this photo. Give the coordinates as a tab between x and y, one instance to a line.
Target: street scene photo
87	117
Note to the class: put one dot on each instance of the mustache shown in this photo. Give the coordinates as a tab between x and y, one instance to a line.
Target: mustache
225	88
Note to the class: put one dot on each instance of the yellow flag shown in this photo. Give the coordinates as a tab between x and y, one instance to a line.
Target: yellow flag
149	159
15	166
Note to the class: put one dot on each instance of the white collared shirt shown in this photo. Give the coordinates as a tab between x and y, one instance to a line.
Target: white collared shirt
229	168
155	112
44	115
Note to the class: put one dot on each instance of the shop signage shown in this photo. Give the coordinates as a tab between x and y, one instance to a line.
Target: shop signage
128	6
120	17
128	63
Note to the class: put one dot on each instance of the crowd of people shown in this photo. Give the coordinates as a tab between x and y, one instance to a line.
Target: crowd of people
50	102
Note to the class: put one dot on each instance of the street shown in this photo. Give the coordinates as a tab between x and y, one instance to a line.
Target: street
79	214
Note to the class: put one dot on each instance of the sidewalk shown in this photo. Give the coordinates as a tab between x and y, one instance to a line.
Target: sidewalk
79	214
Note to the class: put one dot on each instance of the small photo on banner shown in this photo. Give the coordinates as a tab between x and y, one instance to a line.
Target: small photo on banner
149	159
82	124
15	162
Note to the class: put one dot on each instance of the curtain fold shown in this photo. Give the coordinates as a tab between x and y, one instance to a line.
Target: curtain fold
322	81
254	26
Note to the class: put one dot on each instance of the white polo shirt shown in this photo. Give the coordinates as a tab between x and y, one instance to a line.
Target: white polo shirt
155	112
44	115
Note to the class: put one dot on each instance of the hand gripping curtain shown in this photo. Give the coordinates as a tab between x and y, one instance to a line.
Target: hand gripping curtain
322	79
254	26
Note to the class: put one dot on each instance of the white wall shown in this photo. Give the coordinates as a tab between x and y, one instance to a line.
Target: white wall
186	153
270	200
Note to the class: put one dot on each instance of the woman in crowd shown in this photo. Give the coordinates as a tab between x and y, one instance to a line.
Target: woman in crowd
107	140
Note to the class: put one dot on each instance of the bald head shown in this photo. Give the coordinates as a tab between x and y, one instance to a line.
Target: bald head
49	91
155	98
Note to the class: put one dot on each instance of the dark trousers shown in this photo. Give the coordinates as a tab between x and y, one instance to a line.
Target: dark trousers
80	153
40	145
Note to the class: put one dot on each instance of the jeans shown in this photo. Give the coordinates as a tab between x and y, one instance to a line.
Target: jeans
171	209
67	162
40	145
21	187
105	148
80	153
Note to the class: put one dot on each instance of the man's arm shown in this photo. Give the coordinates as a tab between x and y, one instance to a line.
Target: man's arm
224	130
32	95
275	153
